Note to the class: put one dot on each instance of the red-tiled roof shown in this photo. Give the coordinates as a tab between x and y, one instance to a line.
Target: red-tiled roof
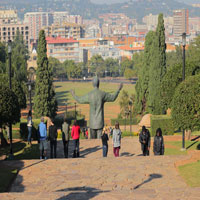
53	40
127	48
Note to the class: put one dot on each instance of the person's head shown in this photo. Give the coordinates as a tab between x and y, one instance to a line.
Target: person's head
42	119
159	132
117	125
104	130
96	82
143	129
29	113
75	123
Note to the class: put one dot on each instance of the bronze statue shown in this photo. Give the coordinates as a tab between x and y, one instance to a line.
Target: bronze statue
96	98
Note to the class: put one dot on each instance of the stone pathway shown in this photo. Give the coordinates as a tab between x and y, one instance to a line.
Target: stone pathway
131	176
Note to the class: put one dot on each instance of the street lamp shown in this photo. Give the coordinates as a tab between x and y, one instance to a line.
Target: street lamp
10	87
75	109
130	112
183	78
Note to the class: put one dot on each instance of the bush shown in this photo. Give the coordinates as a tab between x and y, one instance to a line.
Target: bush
164	122
134	121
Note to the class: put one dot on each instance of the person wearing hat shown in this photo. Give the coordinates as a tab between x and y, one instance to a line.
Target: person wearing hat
105	139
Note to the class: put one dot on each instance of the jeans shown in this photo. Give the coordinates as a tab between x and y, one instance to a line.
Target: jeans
66	144
53	146
29	133
105	150
95	133
76	145
116	151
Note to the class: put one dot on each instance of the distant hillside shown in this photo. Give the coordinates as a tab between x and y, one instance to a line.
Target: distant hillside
133	8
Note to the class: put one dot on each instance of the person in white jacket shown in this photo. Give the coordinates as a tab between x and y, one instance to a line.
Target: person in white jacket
116	139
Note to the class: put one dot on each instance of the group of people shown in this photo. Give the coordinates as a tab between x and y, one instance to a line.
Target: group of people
145	140
52	134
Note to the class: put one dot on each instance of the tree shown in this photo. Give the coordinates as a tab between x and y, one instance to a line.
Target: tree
126	63
57	68
172	79
138	62
173	58
112	66
16	88
142	85
185	104
97	65
9	109
73	70
45	103
157	69
129	73
124	103
19	58
193	53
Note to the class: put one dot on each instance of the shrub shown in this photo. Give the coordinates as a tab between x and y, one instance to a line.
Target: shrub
164	122
134	121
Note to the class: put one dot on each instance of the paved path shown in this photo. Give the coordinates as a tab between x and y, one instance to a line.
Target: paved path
130	176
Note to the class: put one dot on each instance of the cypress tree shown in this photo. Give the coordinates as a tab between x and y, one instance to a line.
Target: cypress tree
45	103
142	85
157	68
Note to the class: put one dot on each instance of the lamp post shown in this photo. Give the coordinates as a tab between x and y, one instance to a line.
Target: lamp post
183	78
75	109
10	87
29	89
130	112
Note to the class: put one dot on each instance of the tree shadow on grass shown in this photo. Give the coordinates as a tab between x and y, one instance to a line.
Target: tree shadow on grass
82	193
62	97
151	177
191	145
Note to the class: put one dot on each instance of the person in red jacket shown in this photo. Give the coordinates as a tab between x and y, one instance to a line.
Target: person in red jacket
75	133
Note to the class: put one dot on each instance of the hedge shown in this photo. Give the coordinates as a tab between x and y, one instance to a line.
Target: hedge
134	121
164	122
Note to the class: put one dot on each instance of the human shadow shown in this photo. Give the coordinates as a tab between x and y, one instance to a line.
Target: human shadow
127	154
82	193
89	150
151	177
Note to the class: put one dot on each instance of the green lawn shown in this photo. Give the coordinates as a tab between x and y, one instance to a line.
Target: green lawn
191	174
175	147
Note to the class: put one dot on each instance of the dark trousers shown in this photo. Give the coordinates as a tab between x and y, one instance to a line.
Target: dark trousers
145	150
116	151
76	148
66	144
95	133
53	146
105	150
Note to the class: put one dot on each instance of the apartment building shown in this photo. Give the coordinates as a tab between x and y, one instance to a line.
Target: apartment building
181	24
36	21
63	49
8	32
8	16
66	30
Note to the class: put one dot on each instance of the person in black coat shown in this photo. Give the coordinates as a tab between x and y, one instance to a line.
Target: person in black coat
53	134
158	145
145	140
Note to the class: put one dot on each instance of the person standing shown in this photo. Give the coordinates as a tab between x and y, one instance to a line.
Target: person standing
145	140
116	139
53	134
29	125
65	137
42	131
105	139
158	144
75	133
